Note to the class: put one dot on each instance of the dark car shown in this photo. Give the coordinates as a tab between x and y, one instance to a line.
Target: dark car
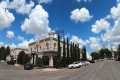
92	61
28	67
12	62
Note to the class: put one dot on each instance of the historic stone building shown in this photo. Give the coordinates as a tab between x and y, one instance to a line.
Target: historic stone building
46	47
14	52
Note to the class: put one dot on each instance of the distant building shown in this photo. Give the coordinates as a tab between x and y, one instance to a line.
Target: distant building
14	52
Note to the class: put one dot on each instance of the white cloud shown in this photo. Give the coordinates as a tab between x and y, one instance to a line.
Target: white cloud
115	11
95	43
20	38
114	33
3	4
79	41
1	43
25	43
37	23
81	15
10	34
100	25
118	1
44	1
84	0
13	45
21	6
6	17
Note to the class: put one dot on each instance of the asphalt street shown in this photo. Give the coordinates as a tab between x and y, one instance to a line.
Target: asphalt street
102	70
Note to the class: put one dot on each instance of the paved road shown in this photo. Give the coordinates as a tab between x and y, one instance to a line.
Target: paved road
103	70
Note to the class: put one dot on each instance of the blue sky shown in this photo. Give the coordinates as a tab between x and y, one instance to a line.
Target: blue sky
91	23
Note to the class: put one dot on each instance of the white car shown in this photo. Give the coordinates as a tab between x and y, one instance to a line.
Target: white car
74	65
80	64
84	63
87	63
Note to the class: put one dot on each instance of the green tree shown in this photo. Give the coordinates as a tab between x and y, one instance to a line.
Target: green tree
68	54
118	52
84	55
39	62
75	53
7	51
59	48
64	61
71	52
58	56
64	48
23	58
102	53
2	53
78	52
105	53
95	55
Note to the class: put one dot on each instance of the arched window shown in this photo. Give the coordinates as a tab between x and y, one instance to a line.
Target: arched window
47	45
55	45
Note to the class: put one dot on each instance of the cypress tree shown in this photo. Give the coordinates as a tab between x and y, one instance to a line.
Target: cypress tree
78	52
84	56
68	55
64	49
59	48
71	53
118	52
2	53
7	51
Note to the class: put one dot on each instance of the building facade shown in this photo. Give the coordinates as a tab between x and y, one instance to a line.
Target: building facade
46	47
14	52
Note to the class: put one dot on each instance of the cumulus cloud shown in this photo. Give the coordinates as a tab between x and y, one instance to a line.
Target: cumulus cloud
114	33
44	1
115	11
25	43
20	38
37	23
80	15
10	34
118	1
95	43
1	43
78	40
21	6
6	17
100	25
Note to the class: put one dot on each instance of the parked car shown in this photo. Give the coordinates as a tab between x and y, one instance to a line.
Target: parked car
92	61
28	66
12	62
83	63
87	62
74	65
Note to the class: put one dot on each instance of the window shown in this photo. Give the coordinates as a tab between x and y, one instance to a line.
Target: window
40	47
47	45
54	45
